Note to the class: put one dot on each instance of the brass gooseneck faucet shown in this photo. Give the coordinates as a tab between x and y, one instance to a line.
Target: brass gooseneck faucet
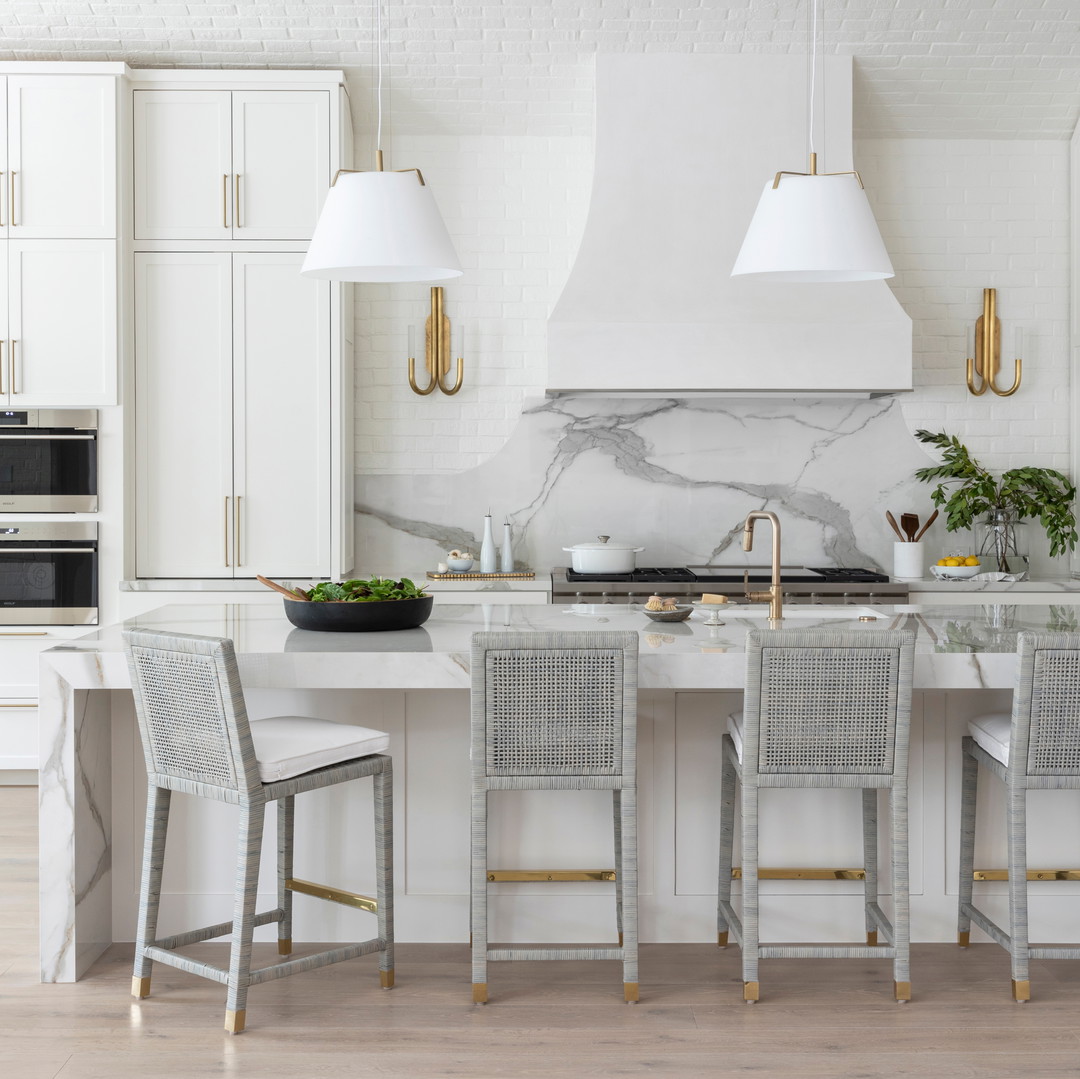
774	596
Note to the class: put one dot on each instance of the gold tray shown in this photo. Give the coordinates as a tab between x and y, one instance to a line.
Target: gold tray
523	575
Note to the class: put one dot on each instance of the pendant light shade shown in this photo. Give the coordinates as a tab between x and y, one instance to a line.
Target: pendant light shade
814	228
381	226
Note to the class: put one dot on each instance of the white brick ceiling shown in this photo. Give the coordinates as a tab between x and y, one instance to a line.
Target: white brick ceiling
1005	68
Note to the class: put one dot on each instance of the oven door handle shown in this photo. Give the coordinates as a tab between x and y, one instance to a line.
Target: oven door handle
6	547
52	438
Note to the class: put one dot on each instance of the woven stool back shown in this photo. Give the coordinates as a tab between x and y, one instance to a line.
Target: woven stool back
191	713
827	702
554	704
1046	705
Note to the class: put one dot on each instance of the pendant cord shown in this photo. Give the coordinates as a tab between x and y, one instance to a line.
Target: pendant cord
813	19
379	74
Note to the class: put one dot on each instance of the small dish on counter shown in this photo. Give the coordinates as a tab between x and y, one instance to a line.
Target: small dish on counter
954	573
672	614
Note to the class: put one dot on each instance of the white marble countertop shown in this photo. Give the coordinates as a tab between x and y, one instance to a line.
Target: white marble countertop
1053	584
962	647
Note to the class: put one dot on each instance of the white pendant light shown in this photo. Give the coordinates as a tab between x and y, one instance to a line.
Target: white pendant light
811	226
380	226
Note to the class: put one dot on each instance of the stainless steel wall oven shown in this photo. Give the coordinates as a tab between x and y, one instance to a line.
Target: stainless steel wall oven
48	461
48	574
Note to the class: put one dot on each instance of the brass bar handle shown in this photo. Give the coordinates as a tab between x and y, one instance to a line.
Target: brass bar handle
236	533
226	533
11	365
26	633
225	200
236	202
11	201
30	703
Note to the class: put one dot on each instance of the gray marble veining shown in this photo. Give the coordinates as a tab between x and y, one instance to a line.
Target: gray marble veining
675	476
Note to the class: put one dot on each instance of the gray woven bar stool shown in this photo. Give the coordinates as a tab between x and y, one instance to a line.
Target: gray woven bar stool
822	708
1036	748
197	739
555	711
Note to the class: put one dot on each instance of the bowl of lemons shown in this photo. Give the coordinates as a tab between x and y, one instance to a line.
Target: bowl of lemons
956	567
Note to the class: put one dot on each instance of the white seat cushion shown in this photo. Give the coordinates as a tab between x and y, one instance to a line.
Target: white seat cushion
287	746
991	732
734	726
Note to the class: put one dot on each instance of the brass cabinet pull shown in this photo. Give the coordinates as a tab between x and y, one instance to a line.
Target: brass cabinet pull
11	363
31	702
227	566
11	202
236	202
225	200
236	533
25	633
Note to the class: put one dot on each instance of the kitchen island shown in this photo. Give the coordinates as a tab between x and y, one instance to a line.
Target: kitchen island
414	684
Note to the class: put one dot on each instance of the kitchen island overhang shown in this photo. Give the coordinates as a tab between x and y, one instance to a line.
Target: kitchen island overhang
690	676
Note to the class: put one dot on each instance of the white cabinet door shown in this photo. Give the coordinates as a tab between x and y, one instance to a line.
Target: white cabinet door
18	735
183	410
61	171
62	337
184	183
281	364
281	162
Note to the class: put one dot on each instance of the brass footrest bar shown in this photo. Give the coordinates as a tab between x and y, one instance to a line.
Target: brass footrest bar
522	875
333	895
804	874
1032	874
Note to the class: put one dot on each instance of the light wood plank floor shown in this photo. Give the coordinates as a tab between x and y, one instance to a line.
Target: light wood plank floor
546	1019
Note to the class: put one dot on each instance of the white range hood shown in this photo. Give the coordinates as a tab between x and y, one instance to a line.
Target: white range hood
684	146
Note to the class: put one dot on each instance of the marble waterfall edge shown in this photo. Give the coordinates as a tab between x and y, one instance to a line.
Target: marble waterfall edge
677	476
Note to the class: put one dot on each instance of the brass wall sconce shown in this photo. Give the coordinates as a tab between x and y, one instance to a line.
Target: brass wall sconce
436	350
987	359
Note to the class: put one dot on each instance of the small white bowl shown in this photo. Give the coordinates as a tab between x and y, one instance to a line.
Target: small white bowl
954	573
459	565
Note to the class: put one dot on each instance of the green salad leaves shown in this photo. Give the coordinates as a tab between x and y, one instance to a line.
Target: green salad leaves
378	588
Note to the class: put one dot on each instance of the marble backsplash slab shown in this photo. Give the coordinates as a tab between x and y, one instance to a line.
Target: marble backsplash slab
674	476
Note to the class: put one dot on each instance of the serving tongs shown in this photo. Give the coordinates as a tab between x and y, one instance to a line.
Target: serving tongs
289	593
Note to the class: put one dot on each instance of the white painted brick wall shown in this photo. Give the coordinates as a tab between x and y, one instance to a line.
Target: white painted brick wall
960	215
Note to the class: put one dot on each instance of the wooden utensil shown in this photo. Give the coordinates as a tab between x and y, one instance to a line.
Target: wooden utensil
290	593
933	518
909	522
895	527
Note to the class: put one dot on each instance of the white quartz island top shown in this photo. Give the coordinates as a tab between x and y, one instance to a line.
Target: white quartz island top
957	647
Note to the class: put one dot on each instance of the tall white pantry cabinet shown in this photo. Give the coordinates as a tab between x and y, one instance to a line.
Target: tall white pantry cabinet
242	385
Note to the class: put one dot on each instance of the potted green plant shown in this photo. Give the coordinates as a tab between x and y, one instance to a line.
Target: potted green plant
973	497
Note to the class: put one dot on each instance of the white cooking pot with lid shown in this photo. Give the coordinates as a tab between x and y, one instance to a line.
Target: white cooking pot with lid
603	556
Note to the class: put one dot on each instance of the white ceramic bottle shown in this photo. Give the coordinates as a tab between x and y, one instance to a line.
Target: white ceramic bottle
488	559
506	565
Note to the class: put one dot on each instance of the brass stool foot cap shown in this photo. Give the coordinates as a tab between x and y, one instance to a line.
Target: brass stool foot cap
140	988
1021	991
902	992
234	1021
963	940
751	992
871	937
284	946
630	992
479	993
721	939
386	978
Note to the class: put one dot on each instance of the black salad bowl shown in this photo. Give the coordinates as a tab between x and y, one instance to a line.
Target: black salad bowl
359	617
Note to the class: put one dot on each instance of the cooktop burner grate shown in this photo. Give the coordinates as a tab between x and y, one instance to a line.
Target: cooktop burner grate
645	576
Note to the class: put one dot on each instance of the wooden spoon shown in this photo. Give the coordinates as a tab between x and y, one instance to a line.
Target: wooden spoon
933	518
288	592
895	527
909	522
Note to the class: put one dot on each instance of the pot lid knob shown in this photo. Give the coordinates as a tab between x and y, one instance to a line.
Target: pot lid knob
603	539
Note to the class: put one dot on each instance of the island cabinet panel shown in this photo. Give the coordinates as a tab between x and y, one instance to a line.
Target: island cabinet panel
225	164
232	405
